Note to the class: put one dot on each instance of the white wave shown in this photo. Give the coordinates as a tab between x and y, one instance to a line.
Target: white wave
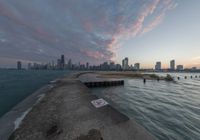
40	97
19	120
53	81
51	86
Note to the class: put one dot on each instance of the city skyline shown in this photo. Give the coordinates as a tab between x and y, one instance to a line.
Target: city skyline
68	64
97	32
165	65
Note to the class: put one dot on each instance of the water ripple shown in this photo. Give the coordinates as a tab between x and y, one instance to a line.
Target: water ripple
170	111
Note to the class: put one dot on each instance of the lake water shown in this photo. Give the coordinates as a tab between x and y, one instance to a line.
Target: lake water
168	110
15	85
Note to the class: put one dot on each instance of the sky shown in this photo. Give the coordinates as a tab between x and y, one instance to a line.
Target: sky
95	31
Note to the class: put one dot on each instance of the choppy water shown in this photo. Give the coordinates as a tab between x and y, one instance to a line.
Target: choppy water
170	111
16	85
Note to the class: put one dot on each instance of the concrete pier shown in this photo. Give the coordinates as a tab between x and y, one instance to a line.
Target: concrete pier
66	113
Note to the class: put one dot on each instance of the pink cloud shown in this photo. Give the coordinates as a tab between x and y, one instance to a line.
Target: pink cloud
137	27
153	24
45	34
5	11
94	54
145	11
168	5
132	30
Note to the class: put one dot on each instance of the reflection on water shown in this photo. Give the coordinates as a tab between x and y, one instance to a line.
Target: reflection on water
168	110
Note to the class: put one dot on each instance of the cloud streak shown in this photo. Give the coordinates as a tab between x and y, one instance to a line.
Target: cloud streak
82	30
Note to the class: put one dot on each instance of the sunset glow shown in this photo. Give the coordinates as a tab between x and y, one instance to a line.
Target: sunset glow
97	31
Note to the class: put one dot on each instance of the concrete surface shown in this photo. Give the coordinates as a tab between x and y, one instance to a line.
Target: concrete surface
66	113
9	120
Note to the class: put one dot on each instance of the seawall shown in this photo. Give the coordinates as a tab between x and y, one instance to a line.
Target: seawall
12	119
66	113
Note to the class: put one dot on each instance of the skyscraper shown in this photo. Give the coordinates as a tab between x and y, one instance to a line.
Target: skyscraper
126	61
125	65
19	65
137	66
87	65
158	66
172	65
62	61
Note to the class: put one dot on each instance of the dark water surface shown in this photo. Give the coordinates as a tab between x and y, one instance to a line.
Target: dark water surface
16	85
170	111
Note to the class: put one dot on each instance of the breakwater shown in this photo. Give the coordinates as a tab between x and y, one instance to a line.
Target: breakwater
69	111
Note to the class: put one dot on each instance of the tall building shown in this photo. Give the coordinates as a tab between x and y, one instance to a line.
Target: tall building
19	65
62	62
158	66
172	65
137	66
87	65
179	67
125	65
126	62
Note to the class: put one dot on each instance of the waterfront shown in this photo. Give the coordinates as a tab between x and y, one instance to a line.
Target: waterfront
66	113
168	110
16	85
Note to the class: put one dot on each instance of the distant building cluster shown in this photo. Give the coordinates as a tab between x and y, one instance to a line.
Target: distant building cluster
126	66
62	64
172	67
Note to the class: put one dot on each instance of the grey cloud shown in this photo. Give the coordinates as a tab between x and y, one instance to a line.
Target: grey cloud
86	30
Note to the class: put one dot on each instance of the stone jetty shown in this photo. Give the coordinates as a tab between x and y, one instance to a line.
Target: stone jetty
67	112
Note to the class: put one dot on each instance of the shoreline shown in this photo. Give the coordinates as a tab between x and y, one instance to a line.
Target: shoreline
134	75
44	103
13	118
